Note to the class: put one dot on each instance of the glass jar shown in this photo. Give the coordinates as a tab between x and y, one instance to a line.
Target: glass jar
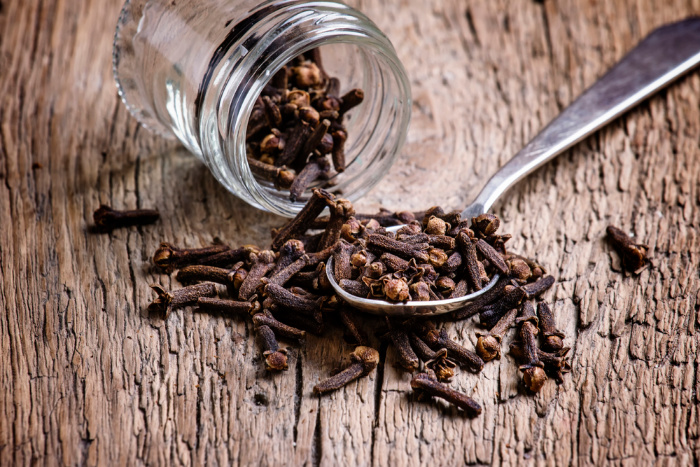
193	69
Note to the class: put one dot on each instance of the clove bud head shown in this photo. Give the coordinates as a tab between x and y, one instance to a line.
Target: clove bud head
436	226
351	230
534	378
396	289
307	76
486	224
519	270
367	356
553	343
488	347
276	361
161	257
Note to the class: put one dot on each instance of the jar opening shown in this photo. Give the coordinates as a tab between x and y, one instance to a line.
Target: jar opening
376	128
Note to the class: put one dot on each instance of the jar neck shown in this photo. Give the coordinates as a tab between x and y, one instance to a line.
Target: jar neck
262	44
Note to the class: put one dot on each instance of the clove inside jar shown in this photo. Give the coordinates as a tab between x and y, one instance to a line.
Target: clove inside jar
193	70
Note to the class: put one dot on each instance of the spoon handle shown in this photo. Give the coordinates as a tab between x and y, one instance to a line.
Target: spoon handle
663	56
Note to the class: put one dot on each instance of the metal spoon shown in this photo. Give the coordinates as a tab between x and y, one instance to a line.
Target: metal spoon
665	55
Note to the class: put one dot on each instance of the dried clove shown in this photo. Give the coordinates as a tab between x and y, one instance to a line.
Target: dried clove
438	339
168	301
280	176
488	346
297	226
352	327
365	359
265	318
485	224
310	173
442	365
438	361
168	256
406	356
107	219
511	298
406	251
538	287
219	305
281	277
633	255
492	256
291	301
396	289
555	363
341	211
351	99
275	358
261	263
552	337
291	251
226	257
426	384
200	273
338	151
342	267
393	262
532	368
470	260
356	288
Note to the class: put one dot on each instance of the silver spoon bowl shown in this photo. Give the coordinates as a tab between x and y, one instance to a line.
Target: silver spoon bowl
662	57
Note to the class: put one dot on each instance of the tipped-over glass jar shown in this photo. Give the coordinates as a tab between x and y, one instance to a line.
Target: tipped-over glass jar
194	69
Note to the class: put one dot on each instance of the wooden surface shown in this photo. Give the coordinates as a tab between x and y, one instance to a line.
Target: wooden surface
89	378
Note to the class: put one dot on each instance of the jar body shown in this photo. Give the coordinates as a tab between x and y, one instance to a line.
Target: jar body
194	69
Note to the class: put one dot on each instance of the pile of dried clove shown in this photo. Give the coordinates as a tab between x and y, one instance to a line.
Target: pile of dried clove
286	292
296	123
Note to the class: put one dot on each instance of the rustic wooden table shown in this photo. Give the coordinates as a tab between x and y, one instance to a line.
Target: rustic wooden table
89	378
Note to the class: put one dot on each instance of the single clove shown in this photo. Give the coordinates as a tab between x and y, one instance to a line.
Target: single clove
168	256
426	384
297	226
552	337
261	263
265	318
352	326
275	358
168	301
286	299
365	359
532	368
438	339
633	255
406	356
488	346
107	219
511	298
538	287
219	305
471	261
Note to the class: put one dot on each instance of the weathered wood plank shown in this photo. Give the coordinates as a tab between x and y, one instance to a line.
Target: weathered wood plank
88	377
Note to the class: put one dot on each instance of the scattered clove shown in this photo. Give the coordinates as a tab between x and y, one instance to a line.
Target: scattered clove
532	368
488	346
168	301
365	359
552	337
438	339
275	358
107	219
633	255
426	384
168	256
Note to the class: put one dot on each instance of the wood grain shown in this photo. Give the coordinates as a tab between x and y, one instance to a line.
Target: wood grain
89	378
